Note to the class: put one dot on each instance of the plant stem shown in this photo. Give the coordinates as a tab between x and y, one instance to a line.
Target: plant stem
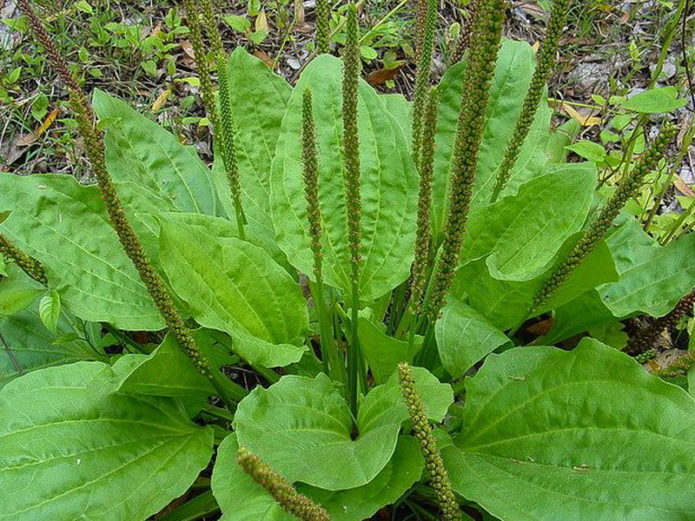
333	362
666	44
678	224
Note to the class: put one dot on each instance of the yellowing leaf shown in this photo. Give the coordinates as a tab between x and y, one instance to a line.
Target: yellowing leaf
47	122
262	22
586	121
161	100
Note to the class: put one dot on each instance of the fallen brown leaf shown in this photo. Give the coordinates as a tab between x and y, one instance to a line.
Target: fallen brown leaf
381	76
265	58
187	48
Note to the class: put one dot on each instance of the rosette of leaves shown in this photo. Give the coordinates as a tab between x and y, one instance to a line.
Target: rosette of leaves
93	432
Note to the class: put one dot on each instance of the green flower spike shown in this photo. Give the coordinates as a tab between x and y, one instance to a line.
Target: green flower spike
207	91
351	144
282	491
482	57
323	19
224	130
311	180
427	17
439	477
627	187
94	147
423	237
351	153
544	66
329	355
27	264
464	39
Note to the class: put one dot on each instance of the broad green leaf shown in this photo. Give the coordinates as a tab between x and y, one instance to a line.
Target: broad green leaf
238	23
303	428
394	480
612	334
167	371
17	291
505	303
49	310
384	403
464	337
383	353
233	286
523	232
210	225
71	453
65	226
259	100
653	278
654	101
26	345
578	435
402	111
144	159
388	186
589	150
512	76
241	499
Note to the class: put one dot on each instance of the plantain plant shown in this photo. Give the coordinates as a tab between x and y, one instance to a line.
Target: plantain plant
328	322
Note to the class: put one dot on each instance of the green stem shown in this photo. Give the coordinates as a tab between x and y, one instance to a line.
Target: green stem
428	354
666	45
397	305
678	224
354	355
127	342
218	412
332	360
270	375
685	145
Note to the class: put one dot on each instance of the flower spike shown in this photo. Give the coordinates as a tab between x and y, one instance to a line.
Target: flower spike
207	91
27	264
627	187
482	57
323	19
311	179
351	154
434	464
282	491
423	236
464	39
428	13
544	66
